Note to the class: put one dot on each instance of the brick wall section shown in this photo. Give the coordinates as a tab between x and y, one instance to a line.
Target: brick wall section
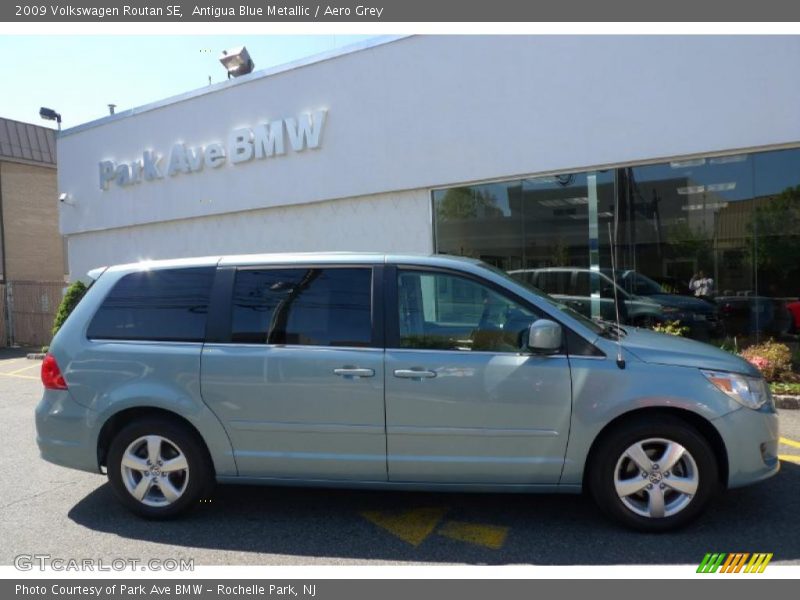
34	250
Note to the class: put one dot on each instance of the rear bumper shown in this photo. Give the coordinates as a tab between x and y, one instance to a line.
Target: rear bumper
751	439
704	329
64	432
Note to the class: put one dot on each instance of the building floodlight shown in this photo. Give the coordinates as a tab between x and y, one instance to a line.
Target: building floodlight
50	115
237	61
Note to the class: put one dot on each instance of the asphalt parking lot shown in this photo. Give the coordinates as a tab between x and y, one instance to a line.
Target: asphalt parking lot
45	509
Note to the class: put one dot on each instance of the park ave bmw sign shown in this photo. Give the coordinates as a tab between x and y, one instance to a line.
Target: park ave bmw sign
266	140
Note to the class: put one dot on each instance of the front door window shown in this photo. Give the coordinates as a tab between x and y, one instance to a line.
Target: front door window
447	312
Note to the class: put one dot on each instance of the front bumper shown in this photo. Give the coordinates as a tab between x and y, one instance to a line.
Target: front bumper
751	439
65	433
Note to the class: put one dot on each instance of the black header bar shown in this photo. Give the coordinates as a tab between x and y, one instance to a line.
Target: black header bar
393	11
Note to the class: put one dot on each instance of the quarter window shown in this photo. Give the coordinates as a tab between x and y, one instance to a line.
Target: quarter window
320	307
448	312
159	305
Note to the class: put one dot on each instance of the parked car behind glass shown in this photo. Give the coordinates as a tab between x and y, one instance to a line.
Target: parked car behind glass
748	315
794	309
641	300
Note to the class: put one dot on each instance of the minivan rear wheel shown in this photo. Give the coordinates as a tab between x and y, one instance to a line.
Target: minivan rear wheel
158	468
653	474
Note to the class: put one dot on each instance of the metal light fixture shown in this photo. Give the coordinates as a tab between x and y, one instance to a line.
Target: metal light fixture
237	61
50	115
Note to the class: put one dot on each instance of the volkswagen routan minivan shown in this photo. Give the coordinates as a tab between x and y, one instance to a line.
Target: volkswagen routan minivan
405	372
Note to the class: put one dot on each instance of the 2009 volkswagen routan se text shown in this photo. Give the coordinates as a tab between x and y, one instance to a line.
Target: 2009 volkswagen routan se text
408	372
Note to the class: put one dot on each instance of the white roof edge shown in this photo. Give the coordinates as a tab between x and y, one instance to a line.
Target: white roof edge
145	264
94	274
224	85
301	257
287	258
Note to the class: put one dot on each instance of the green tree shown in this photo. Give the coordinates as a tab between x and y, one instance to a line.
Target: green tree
774	243
467	203
686	242
74	294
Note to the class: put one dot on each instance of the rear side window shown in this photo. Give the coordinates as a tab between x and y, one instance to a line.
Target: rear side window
160	305
554	282
319	307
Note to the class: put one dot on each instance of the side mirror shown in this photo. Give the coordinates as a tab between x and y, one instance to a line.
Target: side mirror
544	335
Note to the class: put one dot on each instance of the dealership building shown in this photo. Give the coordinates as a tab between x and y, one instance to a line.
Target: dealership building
681	153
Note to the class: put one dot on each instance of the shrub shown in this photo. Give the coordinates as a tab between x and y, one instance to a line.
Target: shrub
774	360
729	344
671	328
786	388
74	294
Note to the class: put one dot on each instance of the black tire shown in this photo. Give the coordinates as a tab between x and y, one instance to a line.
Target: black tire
195	482
610	455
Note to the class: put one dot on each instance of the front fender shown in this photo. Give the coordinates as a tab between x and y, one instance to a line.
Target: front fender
602	392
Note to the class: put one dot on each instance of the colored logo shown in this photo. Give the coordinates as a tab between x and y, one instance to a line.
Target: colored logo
735	563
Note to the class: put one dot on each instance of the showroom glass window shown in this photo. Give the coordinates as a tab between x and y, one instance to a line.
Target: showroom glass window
158	305
712	242
305	306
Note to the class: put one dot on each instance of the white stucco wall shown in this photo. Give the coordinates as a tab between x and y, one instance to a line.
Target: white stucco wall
399	222
426	111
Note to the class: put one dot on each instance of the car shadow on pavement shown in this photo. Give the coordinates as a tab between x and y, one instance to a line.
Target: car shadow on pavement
329	525
17	352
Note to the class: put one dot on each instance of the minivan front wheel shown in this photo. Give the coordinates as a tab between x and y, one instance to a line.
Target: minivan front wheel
654	475
158	468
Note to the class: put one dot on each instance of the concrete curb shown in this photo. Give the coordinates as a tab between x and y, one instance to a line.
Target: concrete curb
787	402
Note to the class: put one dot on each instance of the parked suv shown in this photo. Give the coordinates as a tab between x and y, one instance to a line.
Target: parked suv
642	302
401	372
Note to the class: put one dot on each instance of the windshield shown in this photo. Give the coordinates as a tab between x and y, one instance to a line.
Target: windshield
636	283
588	323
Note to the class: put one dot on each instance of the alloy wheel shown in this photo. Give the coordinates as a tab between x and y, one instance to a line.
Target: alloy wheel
154	470
656	478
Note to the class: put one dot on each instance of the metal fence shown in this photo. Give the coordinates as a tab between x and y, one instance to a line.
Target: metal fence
28	309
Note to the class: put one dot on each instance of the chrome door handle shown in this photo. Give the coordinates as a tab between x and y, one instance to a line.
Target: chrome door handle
354	372
414	374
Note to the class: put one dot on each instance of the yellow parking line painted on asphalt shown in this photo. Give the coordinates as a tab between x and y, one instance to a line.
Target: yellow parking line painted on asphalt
412	526
794	458
37	365
12	361
788	442
20	376
490	536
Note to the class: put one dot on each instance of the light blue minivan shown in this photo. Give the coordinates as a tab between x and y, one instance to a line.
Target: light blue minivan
374	371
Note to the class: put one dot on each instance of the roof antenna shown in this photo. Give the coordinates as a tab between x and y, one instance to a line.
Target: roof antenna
611	240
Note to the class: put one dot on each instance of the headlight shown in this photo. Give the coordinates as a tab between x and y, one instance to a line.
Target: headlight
751	392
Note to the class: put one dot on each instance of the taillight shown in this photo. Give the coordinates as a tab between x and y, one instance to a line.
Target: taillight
51	374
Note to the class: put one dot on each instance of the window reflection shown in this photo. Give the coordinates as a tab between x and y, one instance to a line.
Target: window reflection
711	242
